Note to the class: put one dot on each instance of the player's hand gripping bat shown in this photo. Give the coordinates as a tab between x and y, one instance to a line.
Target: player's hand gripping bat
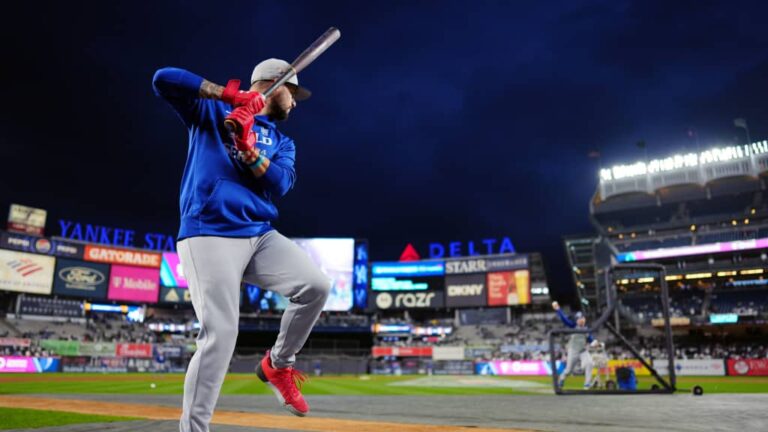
302	61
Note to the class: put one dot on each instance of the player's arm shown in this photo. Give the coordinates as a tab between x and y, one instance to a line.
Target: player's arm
182	88
563	318
567	321
277	174
175	83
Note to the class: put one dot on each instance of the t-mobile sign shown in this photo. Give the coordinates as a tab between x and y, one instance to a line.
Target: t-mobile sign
514	367
134	284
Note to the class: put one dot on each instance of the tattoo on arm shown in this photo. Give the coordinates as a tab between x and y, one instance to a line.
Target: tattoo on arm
209	90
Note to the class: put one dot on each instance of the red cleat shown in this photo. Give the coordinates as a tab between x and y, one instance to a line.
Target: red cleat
285	383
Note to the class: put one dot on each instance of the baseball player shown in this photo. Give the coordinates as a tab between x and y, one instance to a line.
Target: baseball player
225	235
600	360
577	347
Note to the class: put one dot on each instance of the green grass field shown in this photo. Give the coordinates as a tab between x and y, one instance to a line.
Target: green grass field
248	384
17	418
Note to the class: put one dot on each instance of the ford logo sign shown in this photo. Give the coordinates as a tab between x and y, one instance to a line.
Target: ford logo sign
82	277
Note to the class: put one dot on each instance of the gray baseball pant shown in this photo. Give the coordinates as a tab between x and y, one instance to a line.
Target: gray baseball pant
214	268
582	357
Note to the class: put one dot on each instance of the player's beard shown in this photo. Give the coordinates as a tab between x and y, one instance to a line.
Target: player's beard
278	113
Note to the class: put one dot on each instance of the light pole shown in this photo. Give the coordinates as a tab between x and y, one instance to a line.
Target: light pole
741	123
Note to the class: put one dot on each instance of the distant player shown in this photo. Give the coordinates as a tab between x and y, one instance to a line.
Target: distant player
225	235
600	362
577	347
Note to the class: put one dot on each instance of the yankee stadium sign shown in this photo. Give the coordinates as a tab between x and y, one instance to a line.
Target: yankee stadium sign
116	236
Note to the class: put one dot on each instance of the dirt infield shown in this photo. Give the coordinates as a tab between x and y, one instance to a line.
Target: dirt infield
231	418
261	413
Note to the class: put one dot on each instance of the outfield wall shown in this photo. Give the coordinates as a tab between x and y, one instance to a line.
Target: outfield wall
330	365
21	364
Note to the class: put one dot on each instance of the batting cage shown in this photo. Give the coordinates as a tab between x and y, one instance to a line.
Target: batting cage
609	351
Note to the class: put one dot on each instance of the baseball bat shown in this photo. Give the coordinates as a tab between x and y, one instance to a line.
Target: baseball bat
302	61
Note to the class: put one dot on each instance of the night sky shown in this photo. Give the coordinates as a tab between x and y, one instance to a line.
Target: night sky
430	121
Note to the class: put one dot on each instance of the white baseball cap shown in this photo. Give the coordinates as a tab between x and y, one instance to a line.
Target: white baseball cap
271	69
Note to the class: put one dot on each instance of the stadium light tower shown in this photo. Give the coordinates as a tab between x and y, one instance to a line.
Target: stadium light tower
741	123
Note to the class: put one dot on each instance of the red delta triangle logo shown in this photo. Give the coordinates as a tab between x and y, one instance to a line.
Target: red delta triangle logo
24	266
409	254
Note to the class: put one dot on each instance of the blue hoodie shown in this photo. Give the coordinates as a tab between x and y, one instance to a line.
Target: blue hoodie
576	340
219	194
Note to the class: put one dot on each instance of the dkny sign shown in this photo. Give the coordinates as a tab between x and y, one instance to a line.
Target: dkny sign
465	290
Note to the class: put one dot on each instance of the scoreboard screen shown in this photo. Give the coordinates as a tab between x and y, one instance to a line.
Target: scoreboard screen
408	276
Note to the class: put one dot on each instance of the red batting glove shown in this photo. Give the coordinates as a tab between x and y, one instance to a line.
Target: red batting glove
237	98
244	136
250	156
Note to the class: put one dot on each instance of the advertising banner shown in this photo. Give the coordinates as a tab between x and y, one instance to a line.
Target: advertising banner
29	364
167	327
691	367
60	347
408	300
134	284
171	273
473	352
481	316
40	245
81	279
448	353
391	329
486	264
27	219
748	367
514	367
465	290
415	268
14	342
523	348
130	257
727	318
97	349
134	350
34	305
360	275
702	249
172	351
24	272
465	266
673	321
407	276
94	364
453	367
509	262
509	288
640	370
175	295
402	351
